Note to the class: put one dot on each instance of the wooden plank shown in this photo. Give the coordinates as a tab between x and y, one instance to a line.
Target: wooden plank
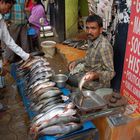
122	132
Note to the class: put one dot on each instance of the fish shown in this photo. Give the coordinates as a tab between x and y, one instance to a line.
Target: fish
56	120
44	102
43	90
43	85
48	107
55	102
48	115
39	64
81	83
39	77
63	105
49	94
60	129
38	83
36	117
30	62
40	69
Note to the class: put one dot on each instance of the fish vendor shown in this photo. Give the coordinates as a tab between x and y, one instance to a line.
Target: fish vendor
96	69
5	6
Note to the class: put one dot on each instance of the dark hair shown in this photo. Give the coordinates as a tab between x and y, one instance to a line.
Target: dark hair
39	2
95	18
9	1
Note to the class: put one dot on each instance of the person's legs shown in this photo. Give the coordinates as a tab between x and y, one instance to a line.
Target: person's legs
24	40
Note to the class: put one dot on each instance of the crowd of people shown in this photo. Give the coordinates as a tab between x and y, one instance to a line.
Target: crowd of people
13	29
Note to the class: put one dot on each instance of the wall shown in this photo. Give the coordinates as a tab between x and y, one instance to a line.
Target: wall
83	4
71	18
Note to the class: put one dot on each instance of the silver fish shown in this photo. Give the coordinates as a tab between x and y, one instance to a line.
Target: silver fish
30	62
39	77
40	68
43	85
46	101
38	83
81	83
60	129
39	64
49	115
41	91
57	120
49	94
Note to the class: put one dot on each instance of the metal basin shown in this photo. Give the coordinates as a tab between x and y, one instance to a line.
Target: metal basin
60	80
91	101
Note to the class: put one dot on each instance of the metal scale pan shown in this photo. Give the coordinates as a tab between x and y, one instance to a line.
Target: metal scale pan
90	103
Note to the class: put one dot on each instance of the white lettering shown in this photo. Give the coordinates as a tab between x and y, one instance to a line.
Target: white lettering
137	6
133	78
135	45
136	27
133	63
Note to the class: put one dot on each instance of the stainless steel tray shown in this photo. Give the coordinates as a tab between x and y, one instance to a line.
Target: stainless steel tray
90	103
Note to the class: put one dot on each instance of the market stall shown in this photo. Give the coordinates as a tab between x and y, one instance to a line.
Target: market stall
87	128
46	104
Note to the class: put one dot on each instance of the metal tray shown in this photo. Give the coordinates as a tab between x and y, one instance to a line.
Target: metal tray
90	103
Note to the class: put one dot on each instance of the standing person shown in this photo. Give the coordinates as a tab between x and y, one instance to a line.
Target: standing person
17	29
97	68
37	12
5	6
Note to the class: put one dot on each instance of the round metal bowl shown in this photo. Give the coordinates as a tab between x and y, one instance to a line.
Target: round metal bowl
60	80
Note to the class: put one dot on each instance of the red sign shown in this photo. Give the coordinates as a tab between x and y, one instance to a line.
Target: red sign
130	86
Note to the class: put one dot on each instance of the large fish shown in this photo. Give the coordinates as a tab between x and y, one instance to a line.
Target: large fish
55	112
43	90
63	105
40	69
49	94
37	83
60	129
39	64
43	85
54	121
46	101
30	62
39	77
82	82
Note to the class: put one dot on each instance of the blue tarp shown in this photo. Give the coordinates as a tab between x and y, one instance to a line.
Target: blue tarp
21	89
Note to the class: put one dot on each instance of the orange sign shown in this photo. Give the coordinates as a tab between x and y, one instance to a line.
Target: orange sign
130	86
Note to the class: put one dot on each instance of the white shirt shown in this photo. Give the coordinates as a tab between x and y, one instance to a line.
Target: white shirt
8	40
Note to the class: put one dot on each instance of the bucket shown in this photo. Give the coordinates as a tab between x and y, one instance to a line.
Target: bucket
48	48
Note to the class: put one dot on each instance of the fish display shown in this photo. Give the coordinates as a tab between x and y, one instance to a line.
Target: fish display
53	116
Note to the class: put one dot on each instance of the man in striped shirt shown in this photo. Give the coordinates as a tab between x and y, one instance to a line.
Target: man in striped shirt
98	69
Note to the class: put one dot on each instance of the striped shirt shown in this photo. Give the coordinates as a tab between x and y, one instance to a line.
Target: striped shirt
99	58
18	15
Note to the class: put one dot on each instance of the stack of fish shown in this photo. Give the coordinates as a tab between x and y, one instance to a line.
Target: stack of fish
80	44
54	116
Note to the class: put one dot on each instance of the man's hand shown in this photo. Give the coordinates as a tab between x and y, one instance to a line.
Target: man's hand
90	76
72	66
4	71
30	58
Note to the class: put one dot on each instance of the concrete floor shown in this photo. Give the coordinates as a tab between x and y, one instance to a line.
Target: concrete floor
14	123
